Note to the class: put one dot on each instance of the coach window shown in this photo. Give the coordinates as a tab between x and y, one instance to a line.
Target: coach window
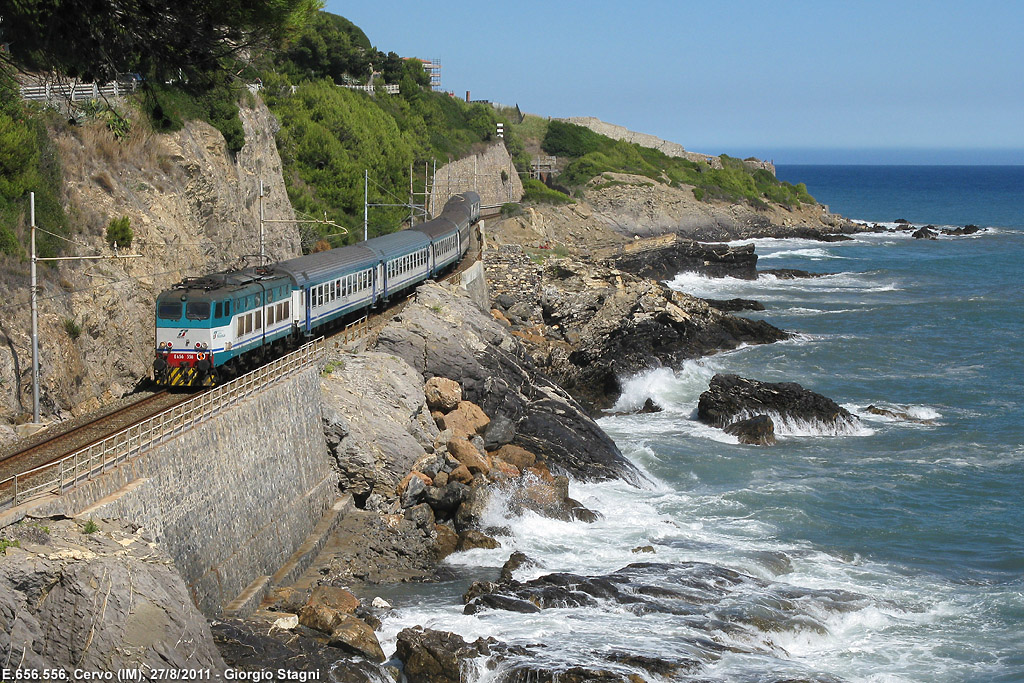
240	326
259	319
227	308
218	312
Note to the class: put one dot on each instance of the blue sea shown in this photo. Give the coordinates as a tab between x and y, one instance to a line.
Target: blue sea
893	551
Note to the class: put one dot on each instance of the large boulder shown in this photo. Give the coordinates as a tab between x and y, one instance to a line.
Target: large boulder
103	600
442	394
757	431
731	398
436	656
377	423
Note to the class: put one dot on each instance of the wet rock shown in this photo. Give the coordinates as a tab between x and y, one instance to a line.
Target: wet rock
662	258
442	394
644	549
517	560
445	542
326	607
897	414
530	673
650	407
925	233
502	602
756	431
356	637
254	645
733	305
471	512
471	538
790	273
730	398
516	456
436	656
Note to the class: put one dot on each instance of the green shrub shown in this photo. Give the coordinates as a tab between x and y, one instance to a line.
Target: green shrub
73	329
90	527
5	544
536	192
698	193
119	232
510	209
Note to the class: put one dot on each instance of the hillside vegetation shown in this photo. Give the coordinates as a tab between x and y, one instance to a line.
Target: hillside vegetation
592	155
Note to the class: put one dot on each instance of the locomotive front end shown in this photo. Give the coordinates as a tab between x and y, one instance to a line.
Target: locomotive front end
184	341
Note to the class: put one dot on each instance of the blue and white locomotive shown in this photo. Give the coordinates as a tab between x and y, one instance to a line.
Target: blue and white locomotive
212	327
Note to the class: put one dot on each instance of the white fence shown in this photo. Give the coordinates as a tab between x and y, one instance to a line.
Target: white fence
73	91
101	456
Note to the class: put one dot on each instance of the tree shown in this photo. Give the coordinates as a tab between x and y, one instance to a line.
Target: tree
158	38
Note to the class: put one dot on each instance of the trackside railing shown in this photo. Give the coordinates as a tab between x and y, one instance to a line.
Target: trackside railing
60	475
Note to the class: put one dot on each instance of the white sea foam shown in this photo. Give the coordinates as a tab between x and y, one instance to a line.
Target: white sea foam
814	254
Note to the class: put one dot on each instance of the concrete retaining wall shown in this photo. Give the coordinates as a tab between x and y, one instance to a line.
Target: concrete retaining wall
233	498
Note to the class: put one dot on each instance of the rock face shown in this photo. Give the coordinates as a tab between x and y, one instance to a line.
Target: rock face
439	334
592	326
377	423
662	258
103	600
731	398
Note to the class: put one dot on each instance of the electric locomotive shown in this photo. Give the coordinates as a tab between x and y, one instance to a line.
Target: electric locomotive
212	327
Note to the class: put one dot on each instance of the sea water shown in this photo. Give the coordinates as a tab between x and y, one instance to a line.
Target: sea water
902	539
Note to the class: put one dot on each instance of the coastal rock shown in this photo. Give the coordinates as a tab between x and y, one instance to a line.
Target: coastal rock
471	538
326	607
516	561
650	406
101	601
602	325
925	233
733	305
254	644
966	230
789	273
661	258
442	394
373	549
377	423
430	656
356	637
444	334
731	398
756	431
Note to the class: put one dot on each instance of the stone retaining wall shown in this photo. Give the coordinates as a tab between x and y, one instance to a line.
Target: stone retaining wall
231	499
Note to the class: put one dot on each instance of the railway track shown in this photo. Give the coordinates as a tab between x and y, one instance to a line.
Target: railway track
57	446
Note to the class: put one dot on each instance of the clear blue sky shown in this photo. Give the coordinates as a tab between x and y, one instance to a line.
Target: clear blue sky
865	81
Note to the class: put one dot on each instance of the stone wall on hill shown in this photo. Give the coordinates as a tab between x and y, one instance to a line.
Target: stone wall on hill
490	173
672	149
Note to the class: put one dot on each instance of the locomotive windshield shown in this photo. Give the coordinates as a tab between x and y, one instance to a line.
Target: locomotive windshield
197	310
169	310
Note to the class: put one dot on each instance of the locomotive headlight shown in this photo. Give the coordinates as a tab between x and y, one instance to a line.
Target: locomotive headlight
198	345
205	346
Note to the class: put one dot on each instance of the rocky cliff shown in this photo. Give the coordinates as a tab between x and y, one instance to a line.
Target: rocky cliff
193	209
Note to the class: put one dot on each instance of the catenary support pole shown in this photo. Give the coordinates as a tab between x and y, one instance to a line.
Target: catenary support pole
35	315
